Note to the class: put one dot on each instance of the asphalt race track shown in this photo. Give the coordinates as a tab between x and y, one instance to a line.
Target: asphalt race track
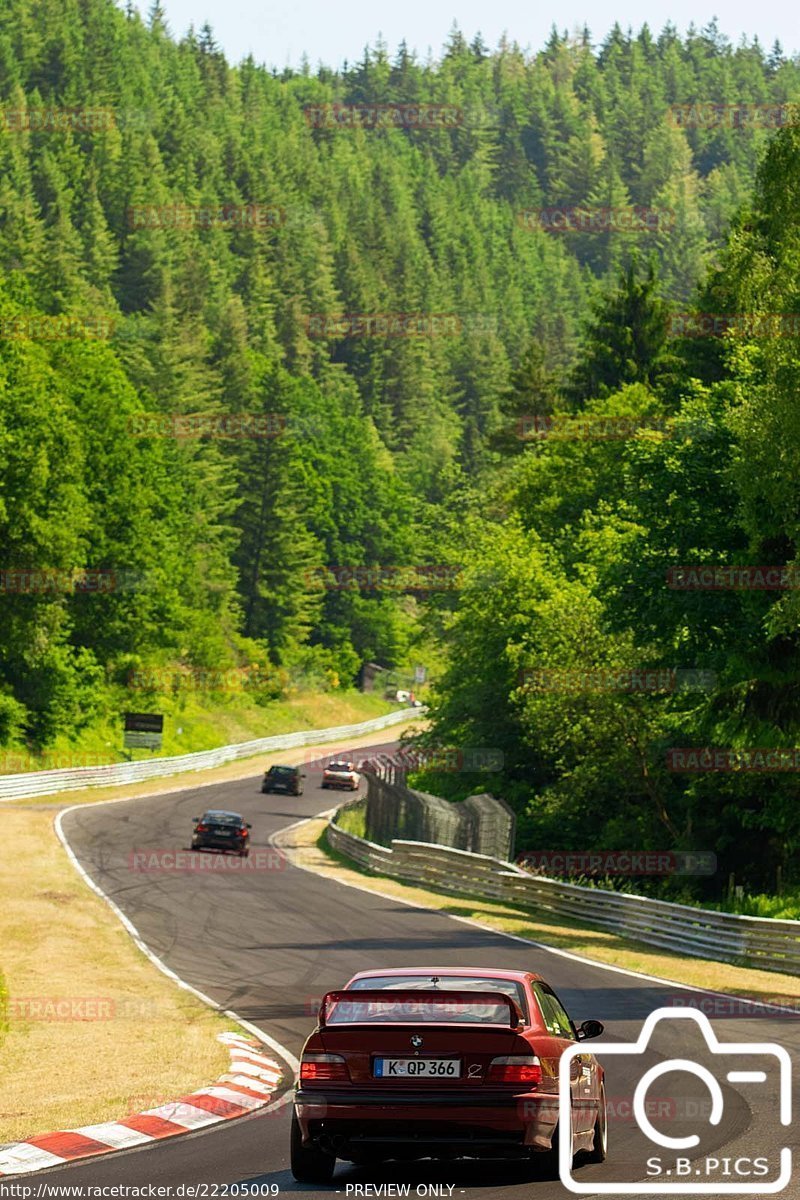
267	943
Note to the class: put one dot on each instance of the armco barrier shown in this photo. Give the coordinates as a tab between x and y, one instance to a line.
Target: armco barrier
44	783
722	937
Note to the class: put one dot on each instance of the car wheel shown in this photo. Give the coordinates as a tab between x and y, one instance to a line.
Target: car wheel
308	1164
599	1149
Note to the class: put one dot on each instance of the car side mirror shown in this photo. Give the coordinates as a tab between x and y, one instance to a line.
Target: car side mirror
248	825
195	819
302	774
590	1029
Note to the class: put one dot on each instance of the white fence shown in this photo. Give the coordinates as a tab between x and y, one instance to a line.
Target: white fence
44	783
750	941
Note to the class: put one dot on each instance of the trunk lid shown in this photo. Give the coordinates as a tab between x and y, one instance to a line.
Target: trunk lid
449	1038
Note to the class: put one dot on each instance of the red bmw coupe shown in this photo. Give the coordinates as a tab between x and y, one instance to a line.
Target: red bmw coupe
448	1063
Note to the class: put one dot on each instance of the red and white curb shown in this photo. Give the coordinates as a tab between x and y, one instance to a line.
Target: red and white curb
247	1085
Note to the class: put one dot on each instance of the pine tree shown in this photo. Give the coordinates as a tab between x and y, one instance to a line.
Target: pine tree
626	341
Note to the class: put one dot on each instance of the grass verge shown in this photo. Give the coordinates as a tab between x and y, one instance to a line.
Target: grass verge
309	848
95	1032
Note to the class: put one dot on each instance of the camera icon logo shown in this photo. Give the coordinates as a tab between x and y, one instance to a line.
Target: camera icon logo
686	1176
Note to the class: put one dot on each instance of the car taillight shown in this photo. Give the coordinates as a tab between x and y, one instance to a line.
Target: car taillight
515	1068
315	1067
201	828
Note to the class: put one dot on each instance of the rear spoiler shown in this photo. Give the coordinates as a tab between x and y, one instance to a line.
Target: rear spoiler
355	1000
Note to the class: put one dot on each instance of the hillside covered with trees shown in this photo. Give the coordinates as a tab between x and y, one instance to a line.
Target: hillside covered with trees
182	236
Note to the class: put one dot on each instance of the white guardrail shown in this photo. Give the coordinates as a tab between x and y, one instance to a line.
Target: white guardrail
44	783
722	937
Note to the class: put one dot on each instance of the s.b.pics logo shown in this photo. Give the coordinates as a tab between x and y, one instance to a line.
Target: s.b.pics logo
696	1144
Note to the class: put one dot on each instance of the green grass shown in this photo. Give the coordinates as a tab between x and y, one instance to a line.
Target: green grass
353	819
780	908
195	722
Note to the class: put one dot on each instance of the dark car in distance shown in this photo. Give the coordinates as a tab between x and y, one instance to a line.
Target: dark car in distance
410	1063
283	779
217	830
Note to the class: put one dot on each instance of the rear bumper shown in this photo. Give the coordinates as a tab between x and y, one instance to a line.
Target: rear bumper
416	1123
203	843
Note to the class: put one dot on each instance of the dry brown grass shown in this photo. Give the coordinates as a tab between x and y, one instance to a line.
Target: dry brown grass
153	1041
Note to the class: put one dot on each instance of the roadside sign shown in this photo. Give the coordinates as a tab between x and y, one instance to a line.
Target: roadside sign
143	731
420	674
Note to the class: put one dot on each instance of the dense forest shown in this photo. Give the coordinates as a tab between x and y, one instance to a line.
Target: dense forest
298	370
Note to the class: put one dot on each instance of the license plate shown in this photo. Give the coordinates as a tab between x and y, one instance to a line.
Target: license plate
223	833
417	1068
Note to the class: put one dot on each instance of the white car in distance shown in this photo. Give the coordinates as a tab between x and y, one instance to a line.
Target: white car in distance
341	773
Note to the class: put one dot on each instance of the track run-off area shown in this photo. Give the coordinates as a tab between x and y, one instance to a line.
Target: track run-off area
266	942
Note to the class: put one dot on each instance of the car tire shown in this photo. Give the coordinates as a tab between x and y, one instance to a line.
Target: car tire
308	1164
599	1149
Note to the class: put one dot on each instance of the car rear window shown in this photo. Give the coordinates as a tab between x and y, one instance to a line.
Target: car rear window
339	766
222	818
450	983
282	770
458	1010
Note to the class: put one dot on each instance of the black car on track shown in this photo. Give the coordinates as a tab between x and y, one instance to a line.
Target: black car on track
283	779
217	830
